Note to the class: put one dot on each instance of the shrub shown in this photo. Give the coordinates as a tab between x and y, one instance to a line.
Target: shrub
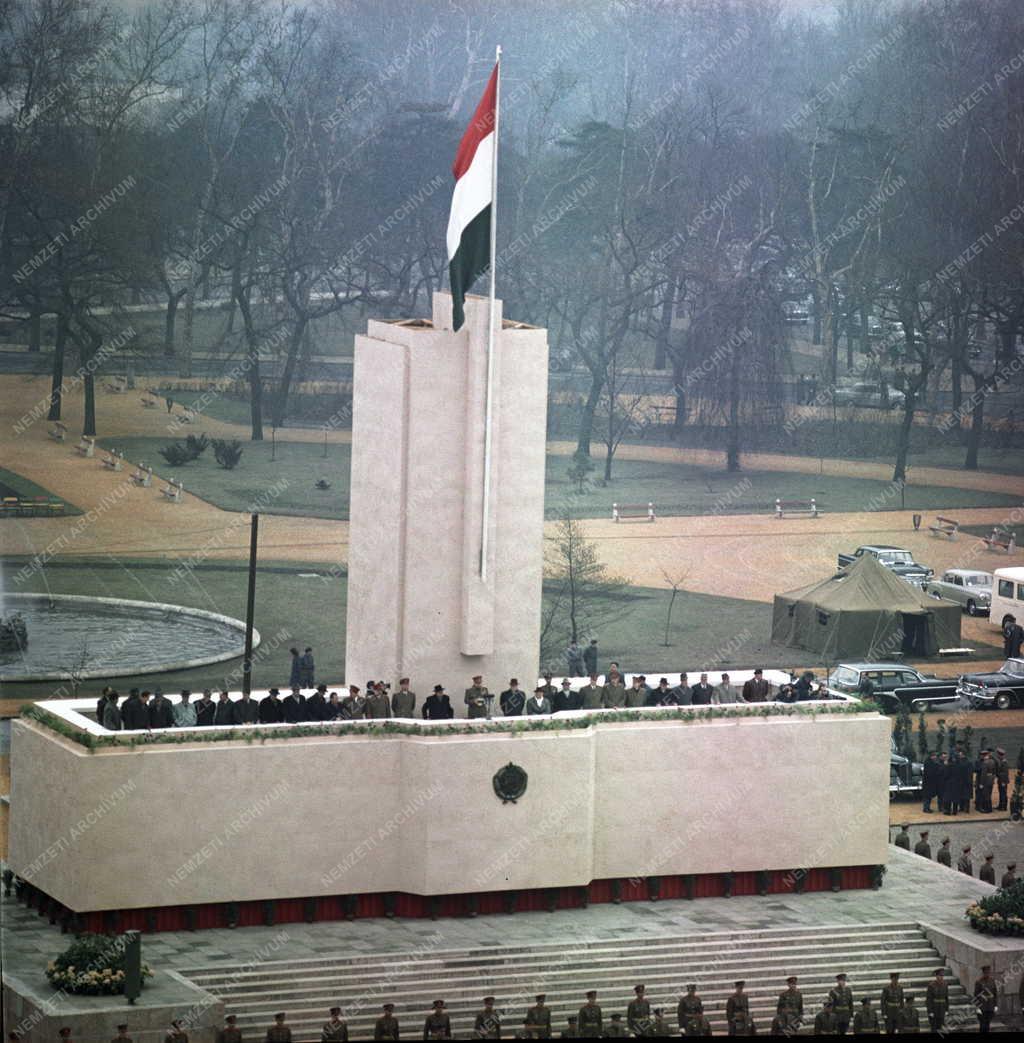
196	446
226	453
1001	913
176	454
93	965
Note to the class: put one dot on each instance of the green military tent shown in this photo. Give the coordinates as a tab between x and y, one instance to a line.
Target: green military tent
866	612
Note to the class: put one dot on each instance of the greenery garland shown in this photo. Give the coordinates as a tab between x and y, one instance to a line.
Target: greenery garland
387	727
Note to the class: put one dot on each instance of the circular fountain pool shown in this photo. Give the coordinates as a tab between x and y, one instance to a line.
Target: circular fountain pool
84	637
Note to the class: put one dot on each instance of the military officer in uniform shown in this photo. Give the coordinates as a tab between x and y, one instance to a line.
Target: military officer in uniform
591	695
903	838
403	702
841	996
590	1021
825	1021
636	695
737	1011
614	695
865	1021
936	1000
386	1026
378	704
985	993
279	1032
791	1001
335	1030
892	1003
487	1024
987	872
438	1025
638	1013
1002	766
964	863
690	1007
230	1033
476	703
1010	876
945	854
922	847
549	688
910	1017
538	1019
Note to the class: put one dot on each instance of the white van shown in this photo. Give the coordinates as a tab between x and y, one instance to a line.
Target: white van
1007	595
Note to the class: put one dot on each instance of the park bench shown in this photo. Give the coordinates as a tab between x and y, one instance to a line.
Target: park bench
87	446
142	476
1001	539
784	507
58	431
187	415
172	491
113	461
118	386
944	527
148	402
632	510
9	506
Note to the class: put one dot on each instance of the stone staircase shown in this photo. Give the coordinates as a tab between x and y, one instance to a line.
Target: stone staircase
306	988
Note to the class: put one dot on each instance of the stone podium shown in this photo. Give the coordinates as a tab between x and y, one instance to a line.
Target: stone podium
417	605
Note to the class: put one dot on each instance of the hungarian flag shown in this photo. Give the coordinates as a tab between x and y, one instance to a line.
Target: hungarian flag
469	224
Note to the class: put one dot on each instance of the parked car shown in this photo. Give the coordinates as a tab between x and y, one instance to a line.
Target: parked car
1007	596
896	559
972	590
1002	688
895	685
905	776
870	395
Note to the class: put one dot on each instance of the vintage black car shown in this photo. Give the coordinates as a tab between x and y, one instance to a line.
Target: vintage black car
1002	688
894	685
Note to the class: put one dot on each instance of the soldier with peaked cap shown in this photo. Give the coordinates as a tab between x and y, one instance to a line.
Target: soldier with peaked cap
590	1019
841	996
638	1013
987	873
614	695
487	1024
438	1025
892	1003
403	702
690	1006
1010	876
591	695
903	838
865	1021
944	856
476	697
825	1021
910	1017
985	996
737	1011
964	863
230	1033
538	1019
1002	767
922	847
334	1030
936	1000
791	1001
386	1026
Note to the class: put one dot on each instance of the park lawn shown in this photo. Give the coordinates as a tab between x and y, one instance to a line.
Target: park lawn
285	485
14	484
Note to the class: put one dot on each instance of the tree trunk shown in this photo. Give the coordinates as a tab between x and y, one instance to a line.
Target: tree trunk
816	306
185	357
89	417
677	382
35	328
732	451
255	394
977	424
899	473
57	379
287	371
169	320
956	380
586	431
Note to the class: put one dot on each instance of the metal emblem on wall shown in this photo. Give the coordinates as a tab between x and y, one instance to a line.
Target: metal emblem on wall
510	783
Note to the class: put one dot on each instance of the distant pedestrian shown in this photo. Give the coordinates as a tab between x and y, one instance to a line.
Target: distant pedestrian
590	657
574	660
169	402
1013	637
295	675
111	714
307	671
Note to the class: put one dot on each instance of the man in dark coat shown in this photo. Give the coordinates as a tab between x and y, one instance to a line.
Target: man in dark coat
700	693
225	710
246	710
135	713
161	714
316	704
294	707
206	709
590	657
931	783
963	766
512	700
437	706
271	711
757	689
565	698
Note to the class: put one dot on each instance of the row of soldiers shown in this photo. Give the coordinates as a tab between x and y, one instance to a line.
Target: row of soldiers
897	1012
953	781
965	863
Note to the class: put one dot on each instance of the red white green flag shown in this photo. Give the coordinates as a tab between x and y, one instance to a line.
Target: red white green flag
469	224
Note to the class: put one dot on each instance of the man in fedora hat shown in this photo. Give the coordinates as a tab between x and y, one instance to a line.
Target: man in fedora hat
437	707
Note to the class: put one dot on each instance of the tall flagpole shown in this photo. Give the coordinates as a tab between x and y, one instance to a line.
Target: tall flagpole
488	408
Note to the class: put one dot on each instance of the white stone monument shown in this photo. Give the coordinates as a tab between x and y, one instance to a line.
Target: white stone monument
417	603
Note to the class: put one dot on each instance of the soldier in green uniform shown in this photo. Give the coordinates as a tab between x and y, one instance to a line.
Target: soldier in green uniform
985	993
964	863
903	838
841	996
638	1013
616	1030
825	1021
1010	876
403	702
334	1030
613	697
386	1026
438	1025
865	1021
591	695
487	1024
636	695
548	688
791	1001
892	1003
922	847
936	1000
279	1032
945	854
538	1019
698	1025
1002	766
987	873
737	1011
910	1017
590	1021
378	704
230	1033
690	1006
122	1035
661	1027
476	704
